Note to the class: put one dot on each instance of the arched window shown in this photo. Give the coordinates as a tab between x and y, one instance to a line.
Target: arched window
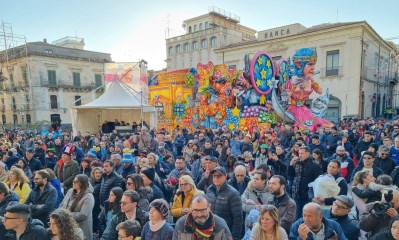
178	49
213	41
186	47
204	43
195	45
195	28
206	25
189	29
200	26
170	50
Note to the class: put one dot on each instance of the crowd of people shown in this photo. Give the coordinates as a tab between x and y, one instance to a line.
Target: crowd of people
267	183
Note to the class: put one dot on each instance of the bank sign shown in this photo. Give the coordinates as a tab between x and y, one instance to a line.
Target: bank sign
281	31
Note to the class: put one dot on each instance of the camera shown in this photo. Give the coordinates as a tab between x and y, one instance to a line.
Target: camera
381	208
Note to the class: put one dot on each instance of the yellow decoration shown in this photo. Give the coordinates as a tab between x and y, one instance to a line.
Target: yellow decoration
235	112
232	126
262	99
258	82
268	64
260	61
242	121
263	73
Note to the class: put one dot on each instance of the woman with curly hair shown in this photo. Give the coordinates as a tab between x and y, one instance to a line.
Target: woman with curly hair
79	201
18	182
63	226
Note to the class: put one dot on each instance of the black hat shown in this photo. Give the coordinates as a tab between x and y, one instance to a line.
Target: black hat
220	170
149	173
212	159
30	150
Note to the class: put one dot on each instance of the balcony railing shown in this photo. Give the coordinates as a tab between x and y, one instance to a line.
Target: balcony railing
328	72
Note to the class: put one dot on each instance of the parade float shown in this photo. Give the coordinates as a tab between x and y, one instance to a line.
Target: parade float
264	93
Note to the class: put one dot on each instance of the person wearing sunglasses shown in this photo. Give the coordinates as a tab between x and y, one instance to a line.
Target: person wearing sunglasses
368	164
384	161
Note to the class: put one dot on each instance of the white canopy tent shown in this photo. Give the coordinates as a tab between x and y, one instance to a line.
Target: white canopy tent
118	102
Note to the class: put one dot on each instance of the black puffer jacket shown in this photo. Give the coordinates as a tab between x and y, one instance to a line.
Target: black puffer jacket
34	231
11	199
108	182
226	203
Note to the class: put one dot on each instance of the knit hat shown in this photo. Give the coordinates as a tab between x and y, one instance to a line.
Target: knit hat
127	158
92	153
161	206
51	150
149	173
263	146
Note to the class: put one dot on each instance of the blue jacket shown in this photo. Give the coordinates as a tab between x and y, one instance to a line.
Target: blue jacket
350	229
329	227
235	147
11	199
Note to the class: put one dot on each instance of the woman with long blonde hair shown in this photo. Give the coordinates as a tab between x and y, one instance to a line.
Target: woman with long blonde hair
18	182
268	226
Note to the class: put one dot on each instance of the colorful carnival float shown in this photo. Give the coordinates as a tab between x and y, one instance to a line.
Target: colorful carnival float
264	93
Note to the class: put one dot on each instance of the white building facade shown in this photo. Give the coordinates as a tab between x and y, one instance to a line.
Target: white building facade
359	68
41	80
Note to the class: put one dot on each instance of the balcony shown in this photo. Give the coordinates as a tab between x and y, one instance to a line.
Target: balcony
329	73
69	85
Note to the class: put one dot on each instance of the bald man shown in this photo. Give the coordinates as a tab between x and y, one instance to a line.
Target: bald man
240	179
313	225
347	164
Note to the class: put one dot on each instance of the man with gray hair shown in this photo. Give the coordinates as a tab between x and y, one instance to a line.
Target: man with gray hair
313	225
384	161
118	167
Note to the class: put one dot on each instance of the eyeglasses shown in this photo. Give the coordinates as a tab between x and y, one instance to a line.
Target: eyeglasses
202	211
383	154
124	203
129	183
183	184
338	206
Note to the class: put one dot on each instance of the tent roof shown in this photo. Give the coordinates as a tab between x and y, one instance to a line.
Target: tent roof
117	96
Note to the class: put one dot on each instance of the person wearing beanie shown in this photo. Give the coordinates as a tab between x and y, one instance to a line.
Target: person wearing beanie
157	227
148	176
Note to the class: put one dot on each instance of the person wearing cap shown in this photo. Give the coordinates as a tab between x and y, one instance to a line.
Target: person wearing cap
157	227
129	211
206	179
148	176
226	201
339	212
66	168
261	155
17	220
127	165
50	159
34	164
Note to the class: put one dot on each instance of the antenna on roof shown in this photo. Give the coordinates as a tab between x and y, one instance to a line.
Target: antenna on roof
337	15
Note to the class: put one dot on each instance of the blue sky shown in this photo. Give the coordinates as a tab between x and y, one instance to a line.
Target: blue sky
133	30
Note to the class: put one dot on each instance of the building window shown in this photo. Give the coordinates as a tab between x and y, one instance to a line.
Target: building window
186	47
195	45
28	119
4	118
53	102
52	78
178	49
189	29
332	63
12	78
195	28
14	104
206	25
15	119
204	43
170	50
48	51
213	41
78	100
76	79
200	26
25	76
99	79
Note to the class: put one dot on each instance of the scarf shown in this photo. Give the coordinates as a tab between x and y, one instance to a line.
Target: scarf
199	232
297	180
157	226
